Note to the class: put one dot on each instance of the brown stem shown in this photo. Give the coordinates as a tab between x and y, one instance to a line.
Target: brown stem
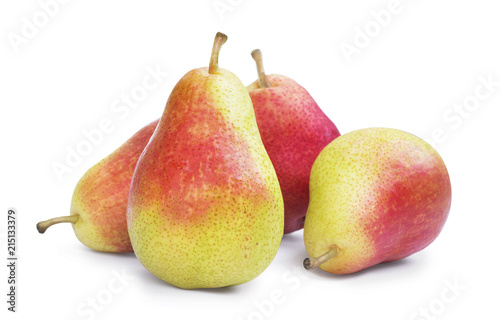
314	262
263	81
44	225
220	39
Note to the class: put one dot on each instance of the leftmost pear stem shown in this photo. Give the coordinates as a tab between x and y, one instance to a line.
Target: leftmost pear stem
44	225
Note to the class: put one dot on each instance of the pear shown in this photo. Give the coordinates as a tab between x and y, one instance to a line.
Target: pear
99	205
205	208
377	195
294	130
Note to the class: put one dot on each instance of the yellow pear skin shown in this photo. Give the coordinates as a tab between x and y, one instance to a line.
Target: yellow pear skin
205	208
377	195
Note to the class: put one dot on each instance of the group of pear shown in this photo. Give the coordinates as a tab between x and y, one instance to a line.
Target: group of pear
204	195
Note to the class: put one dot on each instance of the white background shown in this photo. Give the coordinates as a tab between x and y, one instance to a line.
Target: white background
64	77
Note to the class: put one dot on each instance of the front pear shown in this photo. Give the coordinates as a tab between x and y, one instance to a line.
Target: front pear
205	208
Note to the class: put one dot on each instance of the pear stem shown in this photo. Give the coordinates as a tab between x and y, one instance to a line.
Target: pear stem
263	81
44	225
315	262
220	39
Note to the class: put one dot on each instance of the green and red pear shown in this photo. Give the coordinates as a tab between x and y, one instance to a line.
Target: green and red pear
377	195
205	208
98	211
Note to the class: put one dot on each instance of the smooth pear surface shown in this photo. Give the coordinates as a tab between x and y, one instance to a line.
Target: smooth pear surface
205	207
378	195
294	130
100	196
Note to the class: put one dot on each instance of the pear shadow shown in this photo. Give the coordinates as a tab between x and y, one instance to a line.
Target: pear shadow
111	255
294	238
116	254
383	267
293	242
222	290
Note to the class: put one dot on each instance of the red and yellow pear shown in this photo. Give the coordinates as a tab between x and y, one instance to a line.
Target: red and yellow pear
294	130
377	195
205	208
99	205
